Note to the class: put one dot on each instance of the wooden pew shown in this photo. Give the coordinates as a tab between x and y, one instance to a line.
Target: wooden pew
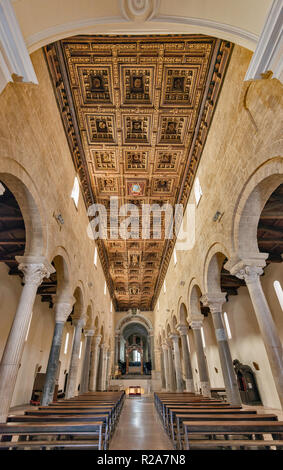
240	416
237	429
54	430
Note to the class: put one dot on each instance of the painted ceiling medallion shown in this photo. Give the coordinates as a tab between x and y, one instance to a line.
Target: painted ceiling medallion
136	188
139	9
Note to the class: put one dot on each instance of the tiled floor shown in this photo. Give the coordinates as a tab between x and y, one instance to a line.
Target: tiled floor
139	427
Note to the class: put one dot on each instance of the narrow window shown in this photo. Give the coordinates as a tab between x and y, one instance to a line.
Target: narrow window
105	288
80	353
95	256
111	307
226	321
175	256
158	304
76	191
164	287
197	191
66	343
279	292
202	337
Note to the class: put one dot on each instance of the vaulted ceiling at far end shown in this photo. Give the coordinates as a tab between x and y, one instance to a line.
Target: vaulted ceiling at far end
136	111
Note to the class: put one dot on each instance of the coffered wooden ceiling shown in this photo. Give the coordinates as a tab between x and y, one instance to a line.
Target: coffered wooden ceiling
136	112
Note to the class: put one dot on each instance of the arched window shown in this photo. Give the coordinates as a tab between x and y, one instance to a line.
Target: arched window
175	256
76	191
164	287
105	288
279	292
95	256
197	191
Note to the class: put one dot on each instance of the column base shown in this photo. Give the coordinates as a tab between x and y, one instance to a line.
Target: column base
205	389
190	387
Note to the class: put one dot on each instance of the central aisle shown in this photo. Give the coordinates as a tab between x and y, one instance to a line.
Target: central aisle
139	427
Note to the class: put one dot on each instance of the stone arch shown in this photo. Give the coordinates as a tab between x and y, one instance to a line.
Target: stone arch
183	314
212	267
78	310
252	199
89	317
138	318
174	322
194	286
195	294
16	178
61	262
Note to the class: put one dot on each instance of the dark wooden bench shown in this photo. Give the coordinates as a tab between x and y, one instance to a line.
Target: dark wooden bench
57	430
236	429
240	416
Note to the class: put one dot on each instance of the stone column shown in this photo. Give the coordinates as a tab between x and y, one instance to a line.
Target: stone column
108	356
74	365
166	367
183	330
162	370
215	302
100	368
152	352
94	364
202	365
84	388
251	274
104	367
172	374
116	358
62	309
35	269
177	362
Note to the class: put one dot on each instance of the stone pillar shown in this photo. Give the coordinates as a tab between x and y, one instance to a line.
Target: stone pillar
162	369
177	362
35	269
74	365
116	358
152	352
94	364
183	330
215	302
166	367
84	388
251	274
104	367
202	365
100	368
108	356
172	374
62	309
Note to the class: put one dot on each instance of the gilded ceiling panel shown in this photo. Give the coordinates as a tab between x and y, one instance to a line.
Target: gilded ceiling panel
137	111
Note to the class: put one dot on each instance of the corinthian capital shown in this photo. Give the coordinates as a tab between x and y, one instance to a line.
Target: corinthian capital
96	340
248	269
89	332
34	268
183	329
214	301
196	324
63	310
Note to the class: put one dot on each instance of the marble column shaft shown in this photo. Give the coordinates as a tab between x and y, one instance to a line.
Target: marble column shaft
152	352
201	360
183	330
162	369
177	362
34	272
215	302
172	374
84	388
251	275
166	367
62	311
94	363
74	365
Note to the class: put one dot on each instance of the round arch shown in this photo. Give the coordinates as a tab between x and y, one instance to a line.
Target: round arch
212	267
15	177
250	204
